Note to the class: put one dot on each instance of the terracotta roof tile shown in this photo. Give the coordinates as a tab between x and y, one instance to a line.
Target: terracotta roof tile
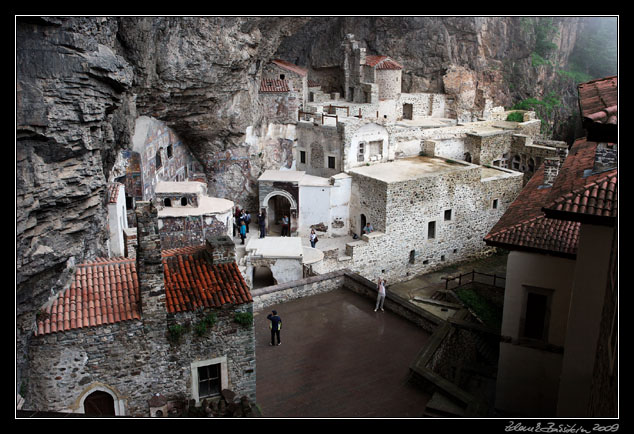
598	104
598	100
94	297
106	291
525	227
273	85
598	198
290	67
113	192
382	62
192	282
578	190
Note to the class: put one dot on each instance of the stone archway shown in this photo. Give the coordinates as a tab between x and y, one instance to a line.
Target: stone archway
262	277
100	400
276	204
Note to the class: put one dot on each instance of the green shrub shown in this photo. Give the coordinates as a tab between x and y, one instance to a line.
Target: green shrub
515	117
243	318
174	333
490	314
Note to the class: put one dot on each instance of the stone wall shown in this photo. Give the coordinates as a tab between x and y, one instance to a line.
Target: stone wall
280	107
153	138
389	83
191	230
271	295
318	142
64	367
459	203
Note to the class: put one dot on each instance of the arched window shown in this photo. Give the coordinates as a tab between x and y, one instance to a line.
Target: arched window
167	201
183	201
531	165
159	161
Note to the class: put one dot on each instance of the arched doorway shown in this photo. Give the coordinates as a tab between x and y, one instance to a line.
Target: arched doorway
276	205
363	222
99	403
263	277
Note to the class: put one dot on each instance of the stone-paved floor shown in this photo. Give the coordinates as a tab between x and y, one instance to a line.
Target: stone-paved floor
338	358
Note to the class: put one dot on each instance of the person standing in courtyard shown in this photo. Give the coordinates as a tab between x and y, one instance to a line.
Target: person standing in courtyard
275	326
243	231
313	238
285	226
262	224
380	298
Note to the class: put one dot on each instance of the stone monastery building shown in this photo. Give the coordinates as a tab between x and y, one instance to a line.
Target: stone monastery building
157	324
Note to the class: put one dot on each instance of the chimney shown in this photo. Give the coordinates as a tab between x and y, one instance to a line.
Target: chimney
150	268
221	248
551	170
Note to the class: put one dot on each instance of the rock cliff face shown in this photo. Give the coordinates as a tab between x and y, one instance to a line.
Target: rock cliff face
82	81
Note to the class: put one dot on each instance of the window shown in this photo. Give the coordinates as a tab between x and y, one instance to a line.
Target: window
447	215
516	162
170	152
495	204
183	201
412	256
208	380
331	162
302	157
536	314
361	154
167	202
159	161
431	230
282	76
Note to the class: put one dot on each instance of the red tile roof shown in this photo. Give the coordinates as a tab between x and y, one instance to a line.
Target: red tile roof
290	66
191	282
103	292
106	291
548	219
382	62
273	85
524	226
113	192
578	190
598	198
598	100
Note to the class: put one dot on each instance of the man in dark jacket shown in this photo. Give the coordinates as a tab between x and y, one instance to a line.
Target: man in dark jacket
276	326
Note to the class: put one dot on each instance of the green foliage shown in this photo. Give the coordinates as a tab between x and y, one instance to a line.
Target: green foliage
210	320
575	74
200	328
537	60
203	325
175	332
243	318
490	314
515	117
545	31
544	109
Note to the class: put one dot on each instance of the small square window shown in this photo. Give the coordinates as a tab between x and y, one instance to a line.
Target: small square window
331	162
302	157
447	215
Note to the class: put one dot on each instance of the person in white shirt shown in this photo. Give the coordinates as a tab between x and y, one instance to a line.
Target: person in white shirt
381	294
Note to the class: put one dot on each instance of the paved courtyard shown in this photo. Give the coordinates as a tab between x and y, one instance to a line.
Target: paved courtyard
338	358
